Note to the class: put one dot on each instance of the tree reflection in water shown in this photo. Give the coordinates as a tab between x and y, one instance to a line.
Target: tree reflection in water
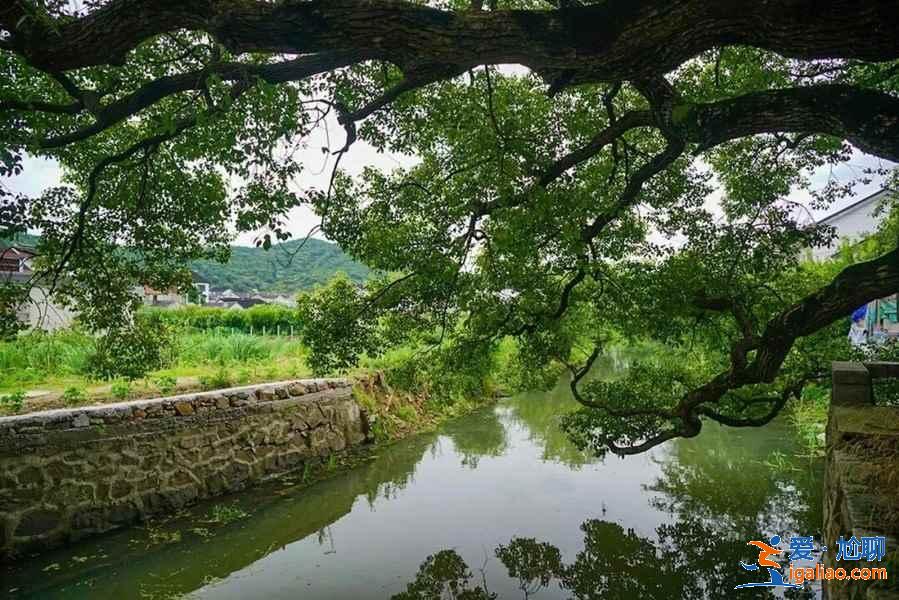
476	436
718	494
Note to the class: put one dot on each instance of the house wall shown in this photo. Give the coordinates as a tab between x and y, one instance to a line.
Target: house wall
40	312
67	474
851	225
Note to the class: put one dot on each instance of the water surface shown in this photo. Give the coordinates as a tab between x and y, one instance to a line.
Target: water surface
503	490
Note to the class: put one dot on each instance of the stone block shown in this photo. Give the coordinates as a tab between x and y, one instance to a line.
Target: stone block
882	370
38	521
185	409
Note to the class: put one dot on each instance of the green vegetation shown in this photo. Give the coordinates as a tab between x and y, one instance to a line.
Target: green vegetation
223	514
13	402
260	319
120	390
166	384
606	190
73	396
130	352
194	360
217	380
808	417
287	267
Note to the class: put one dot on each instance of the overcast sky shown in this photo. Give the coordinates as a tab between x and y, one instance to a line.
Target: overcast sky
39	174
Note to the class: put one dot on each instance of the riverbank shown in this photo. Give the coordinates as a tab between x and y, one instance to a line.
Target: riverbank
71	473
366	526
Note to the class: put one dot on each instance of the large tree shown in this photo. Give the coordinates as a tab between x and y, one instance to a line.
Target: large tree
563	155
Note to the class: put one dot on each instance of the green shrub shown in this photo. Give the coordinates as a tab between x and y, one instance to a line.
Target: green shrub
121	390
13	402
73	396
218	380
132	352
166	384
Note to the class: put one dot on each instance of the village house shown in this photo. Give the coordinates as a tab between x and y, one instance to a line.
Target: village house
40	311
878	320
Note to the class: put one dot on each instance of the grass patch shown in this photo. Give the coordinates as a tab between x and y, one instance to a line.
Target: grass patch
56	366
808	417
223	514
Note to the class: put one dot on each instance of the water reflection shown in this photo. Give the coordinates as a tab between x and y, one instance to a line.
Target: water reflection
615	564
496	503
719	492
477	436
538	414
168	559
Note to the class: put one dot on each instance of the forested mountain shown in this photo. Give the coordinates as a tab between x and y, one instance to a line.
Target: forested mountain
24	239
285	267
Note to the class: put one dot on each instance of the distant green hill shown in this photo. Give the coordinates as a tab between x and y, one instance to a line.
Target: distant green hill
283	268
25	239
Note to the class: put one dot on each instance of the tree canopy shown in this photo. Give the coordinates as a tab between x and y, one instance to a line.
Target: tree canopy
563	157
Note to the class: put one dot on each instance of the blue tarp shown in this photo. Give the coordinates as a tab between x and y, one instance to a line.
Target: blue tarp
859	313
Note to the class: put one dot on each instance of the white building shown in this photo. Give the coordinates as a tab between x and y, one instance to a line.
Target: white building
853	223
40	311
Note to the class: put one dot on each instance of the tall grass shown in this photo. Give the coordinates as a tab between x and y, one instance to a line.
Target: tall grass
59	360
37	355
808	417
218	348
221	348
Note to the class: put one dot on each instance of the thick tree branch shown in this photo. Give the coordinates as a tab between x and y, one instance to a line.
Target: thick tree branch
611	40
156	90
854	286
867	118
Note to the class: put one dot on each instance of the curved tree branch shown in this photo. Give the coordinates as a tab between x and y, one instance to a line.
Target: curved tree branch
631	120
613	40
867	118
154	91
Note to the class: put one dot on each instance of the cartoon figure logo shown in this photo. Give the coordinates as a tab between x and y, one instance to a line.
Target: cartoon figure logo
775	578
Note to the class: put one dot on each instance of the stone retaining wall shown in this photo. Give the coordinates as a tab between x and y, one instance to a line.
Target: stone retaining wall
861	483
66	474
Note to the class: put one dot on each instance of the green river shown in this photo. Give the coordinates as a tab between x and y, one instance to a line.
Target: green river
506	498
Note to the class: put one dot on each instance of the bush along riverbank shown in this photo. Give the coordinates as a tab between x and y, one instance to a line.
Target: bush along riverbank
392	414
